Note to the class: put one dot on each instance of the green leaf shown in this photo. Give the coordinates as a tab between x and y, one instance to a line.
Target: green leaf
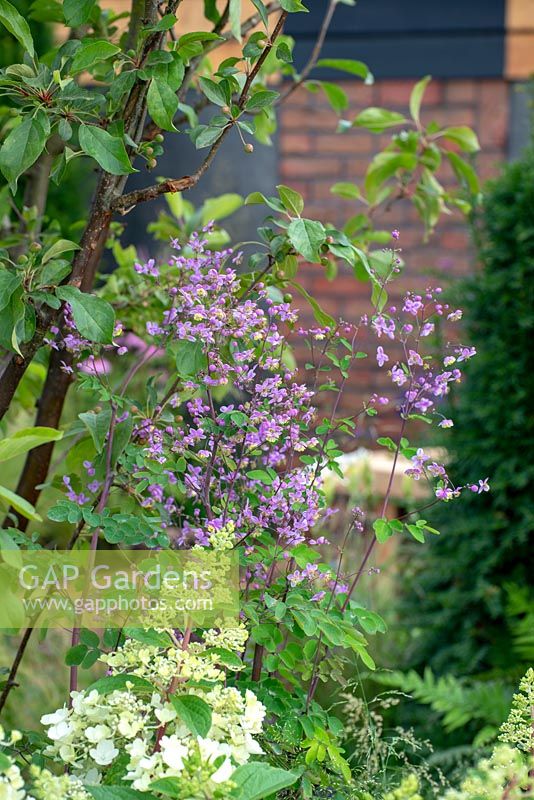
162	104
349	191
307	236
283	52
77	11
91	657
464	173
292	6
54	272
417	96
291	199
148	636
225	657
16	320
194	712
190	44
23	147
170	73
384	166
61	246
12	313
47	11
94	317
89	638
261	475
349	65
258	198
383	530
213	91
91	53
262	12
117	793
112	682
464	137
5	762
378	119
386	441
339	762
97	425
107	150
289	266
261	99
207	137
26	439
417	533
11	551
219	207
321	316
258	779
190	358
167	22
17	26
211	12
235	18
75	655
19	504
171	787
336	96
9	283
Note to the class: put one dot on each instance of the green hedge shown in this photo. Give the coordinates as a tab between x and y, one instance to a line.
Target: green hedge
456	600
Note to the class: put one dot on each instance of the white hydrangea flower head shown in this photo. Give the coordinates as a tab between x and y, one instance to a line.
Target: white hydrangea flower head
59	787
100	727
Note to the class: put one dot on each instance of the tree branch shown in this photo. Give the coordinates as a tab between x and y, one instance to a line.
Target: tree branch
252	22
128	201
48	415
136	20
11	678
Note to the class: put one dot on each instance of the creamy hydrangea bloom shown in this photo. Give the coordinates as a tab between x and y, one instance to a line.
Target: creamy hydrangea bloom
160	666
11	781
59	727
173	752
59	787
12	785
230	637
98	728
254	713
91	733
104	753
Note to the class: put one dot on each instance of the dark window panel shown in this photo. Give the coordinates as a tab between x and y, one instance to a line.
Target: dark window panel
442	56
410	38
401	16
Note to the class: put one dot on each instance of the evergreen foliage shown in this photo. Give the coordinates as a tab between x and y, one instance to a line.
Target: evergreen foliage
459	588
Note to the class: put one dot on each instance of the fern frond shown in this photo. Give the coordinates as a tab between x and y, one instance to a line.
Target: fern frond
458	701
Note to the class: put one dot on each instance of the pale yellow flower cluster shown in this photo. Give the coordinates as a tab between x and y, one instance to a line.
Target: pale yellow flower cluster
11	781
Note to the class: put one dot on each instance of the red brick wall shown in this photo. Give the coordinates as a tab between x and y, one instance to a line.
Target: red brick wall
313	157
